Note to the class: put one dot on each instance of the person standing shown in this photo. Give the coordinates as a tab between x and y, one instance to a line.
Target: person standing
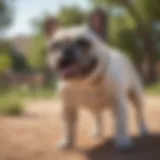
50	25
98	23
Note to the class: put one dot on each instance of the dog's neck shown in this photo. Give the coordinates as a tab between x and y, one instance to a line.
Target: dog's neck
90	67
96	74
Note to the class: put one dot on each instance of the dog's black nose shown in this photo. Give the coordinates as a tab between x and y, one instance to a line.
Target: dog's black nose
68	53
68	57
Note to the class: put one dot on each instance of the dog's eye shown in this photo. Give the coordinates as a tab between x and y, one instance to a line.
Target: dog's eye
83	42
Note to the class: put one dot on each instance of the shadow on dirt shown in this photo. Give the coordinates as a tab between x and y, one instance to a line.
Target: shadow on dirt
146	148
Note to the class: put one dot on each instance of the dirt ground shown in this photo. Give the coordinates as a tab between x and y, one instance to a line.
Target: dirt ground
34	135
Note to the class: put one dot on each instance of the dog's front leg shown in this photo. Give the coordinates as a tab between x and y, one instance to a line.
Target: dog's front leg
69	120
98	126
120	110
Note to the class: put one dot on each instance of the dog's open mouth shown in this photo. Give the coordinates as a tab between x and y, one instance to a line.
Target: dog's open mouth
68	69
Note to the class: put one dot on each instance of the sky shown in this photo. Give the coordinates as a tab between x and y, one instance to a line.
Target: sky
26	10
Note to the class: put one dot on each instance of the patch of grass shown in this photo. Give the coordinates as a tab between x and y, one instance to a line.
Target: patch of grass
33	93
153	89
25	92
10	106
11	98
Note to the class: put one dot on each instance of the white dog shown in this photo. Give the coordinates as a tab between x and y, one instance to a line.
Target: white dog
95	76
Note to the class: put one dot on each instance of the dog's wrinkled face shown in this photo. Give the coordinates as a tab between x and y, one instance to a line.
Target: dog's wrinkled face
71	53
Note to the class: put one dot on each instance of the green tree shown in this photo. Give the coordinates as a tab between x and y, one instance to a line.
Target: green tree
141	39
5	63
6	15
72	15
19	63
5	59
36	56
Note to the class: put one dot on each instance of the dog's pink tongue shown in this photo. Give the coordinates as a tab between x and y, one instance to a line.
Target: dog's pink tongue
69	70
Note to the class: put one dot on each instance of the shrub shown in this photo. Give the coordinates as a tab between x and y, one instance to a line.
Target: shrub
154	89
10	106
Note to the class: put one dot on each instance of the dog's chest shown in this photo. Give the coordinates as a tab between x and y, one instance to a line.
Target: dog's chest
93	96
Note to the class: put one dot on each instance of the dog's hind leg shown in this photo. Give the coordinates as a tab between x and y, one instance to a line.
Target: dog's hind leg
120	111
136	96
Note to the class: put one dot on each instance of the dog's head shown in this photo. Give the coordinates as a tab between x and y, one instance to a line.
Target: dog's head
72	52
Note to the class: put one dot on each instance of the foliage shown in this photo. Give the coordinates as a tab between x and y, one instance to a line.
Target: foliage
136	30
10	106
6	14
38	23
153	89
19	63
28	92
71	15
5	63
36	56
11	98
9	58
5	46
5	60
137	13
150	10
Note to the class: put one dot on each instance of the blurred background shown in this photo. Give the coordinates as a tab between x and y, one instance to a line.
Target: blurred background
132	26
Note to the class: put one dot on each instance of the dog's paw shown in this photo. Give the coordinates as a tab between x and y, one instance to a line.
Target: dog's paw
124	144
144	132
65	144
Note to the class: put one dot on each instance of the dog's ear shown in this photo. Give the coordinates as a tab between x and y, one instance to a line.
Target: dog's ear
50	27
98	23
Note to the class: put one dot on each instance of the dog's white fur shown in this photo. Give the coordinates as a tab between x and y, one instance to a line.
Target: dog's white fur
118	80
